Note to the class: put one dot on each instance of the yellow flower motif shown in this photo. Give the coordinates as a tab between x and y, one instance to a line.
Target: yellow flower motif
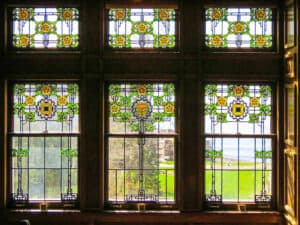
141	90
23	14
120	14
114	108
29	100
238	110
45	28
163	41
238	91
216	14
120	41
24	41
260	41
62	100
67	14
163	14
222	101
254	102
67	40
216	41
260	14
46	90
46	109
238	28
169	108
142	109
142	28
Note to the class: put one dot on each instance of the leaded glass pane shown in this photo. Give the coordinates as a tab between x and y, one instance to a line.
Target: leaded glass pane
235	168
46	108
238	109
239	28
45	166
142	28
238	144
141	175
45	27
150	107
141	143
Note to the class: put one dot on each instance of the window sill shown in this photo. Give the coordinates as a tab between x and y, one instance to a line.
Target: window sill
76	217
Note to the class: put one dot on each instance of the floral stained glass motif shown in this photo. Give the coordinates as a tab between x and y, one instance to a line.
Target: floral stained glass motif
238	146
45	27
239	28
46	108
142	28
141	143
44	150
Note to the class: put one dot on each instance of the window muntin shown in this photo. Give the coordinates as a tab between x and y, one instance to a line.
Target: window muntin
44	152
239	28
142	28
238	143
141	143
45	28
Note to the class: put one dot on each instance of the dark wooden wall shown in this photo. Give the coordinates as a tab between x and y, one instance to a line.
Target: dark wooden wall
190	66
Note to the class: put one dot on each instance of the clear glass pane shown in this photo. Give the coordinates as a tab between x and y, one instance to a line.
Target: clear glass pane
53	152
52	184
36	184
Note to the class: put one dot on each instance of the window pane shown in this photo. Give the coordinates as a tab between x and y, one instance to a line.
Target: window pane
235	168
239	27
141	143
141	172
238	169
238	109
45	27
48	165
147	108
46	108
142	28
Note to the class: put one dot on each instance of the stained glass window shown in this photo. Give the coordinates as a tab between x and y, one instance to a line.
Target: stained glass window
239	28
142	28
141	143
44	150
238	143
45	27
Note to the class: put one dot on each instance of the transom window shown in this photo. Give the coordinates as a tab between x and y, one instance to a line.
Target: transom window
238	28
44	148
141	143
142	28
238	143
45	28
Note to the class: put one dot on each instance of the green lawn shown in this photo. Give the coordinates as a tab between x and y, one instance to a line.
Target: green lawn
232	184
245	180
